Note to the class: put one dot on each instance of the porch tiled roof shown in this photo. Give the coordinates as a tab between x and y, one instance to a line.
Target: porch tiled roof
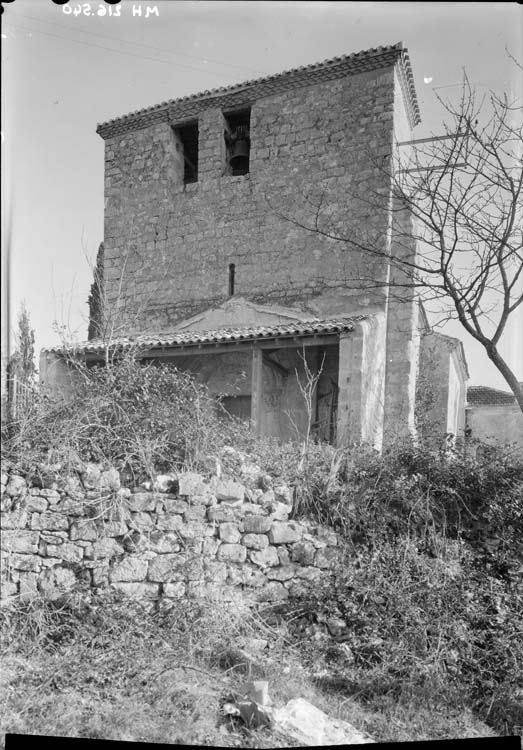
482	395
300	328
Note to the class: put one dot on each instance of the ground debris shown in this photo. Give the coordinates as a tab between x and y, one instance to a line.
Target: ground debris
298	719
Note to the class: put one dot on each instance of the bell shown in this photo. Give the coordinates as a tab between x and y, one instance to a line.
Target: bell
239	159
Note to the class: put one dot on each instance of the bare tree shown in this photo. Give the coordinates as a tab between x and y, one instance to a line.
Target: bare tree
463	246
308	389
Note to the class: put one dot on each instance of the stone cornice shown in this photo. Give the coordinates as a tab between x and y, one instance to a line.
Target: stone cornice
245	94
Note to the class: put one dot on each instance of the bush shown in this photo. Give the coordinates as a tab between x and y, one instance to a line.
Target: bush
141	418
431	604
410	489
429	584
423	630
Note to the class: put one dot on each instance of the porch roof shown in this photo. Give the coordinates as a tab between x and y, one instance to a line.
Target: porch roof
300	329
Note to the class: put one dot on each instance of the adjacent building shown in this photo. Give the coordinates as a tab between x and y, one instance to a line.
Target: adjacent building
493	417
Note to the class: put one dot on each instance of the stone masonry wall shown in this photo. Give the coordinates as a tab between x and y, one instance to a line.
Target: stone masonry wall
183	536
168	246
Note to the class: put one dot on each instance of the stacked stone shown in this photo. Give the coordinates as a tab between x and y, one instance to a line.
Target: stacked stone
182	536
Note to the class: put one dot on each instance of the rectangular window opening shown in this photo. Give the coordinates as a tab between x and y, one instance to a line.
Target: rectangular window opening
238	141
188	135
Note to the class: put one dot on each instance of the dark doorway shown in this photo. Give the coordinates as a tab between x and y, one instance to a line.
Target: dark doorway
237	406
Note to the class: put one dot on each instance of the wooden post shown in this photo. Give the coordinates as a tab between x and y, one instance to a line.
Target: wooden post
256	388
349	427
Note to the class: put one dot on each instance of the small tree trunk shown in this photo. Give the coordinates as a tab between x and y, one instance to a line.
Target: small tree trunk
515	386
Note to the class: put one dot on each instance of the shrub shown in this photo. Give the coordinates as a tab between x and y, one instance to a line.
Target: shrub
420	629
142	418
411	489
429	616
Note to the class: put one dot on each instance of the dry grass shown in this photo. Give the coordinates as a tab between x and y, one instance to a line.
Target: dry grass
108	669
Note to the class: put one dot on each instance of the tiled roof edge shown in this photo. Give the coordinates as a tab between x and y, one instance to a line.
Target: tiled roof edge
249	91
484	395
221	335
409	90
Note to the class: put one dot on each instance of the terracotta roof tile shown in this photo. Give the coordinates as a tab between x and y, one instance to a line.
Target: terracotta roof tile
222	335
482	395
190	106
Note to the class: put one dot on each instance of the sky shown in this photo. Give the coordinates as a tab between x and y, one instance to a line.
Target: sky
67	68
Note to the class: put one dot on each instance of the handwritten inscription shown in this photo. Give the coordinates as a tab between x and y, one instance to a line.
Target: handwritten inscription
90	9
149	10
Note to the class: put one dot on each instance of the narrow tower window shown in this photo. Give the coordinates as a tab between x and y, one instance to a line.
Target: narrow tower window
188	135
231	279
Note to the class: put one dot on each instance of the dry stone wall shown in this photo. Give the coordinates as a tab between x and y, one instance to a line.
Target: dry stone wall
182	536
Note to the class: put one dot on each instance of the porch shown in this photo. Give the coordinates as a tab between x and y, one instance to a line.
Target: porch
320	377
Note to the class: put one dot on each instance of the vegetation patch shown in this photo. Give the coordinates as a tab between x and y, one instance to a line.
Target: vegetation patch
417	635
107	668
